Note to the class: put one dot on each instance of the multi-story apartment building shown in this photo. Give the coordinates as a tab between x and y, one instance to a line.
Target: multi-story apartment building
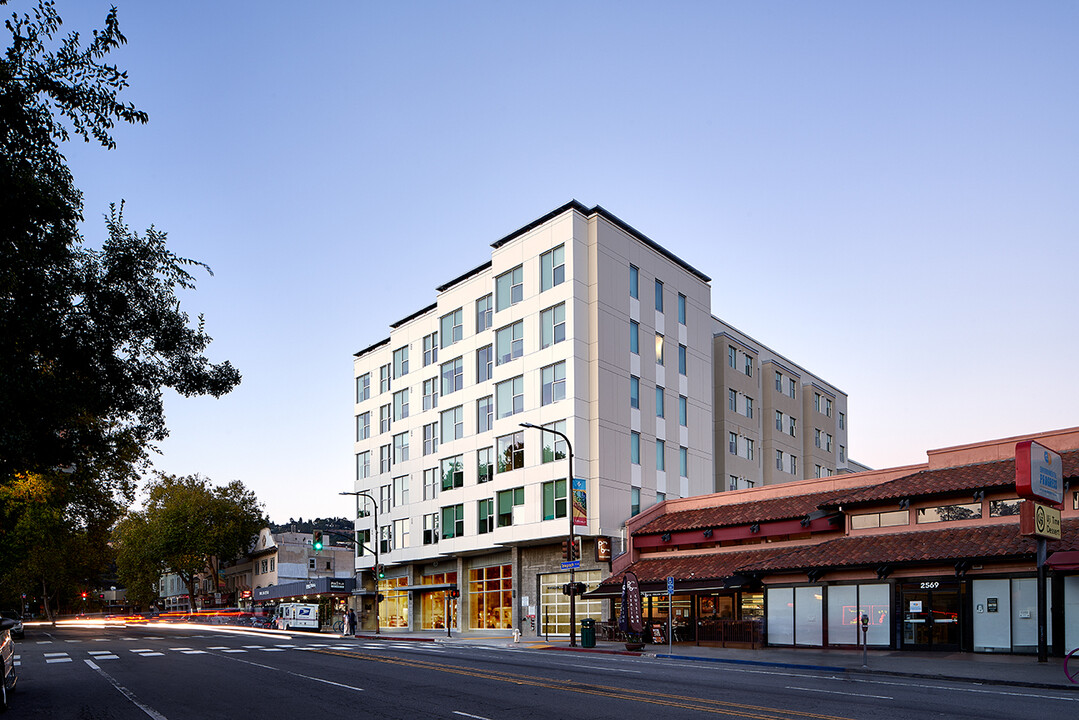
774	421
577	323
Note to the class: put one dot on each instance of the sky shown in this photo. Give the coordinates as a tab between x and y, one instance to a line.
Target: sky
886	193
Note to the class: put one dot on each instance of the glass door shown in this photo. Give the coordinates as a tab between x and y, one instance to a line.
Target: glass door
931	615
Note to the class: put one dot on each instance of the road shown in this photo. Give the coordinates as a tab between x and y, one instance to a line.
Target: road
168	673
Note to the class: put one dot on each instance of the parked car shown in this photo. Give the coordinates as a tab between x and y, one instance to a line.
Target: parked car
17	630
7	661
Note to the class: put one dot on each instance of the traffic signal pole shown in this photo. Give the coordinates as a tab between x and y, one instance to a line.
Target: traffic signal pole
374	535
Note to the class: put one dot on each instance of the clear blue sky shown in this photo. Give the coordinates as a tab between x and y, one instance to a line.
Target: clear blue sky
887	193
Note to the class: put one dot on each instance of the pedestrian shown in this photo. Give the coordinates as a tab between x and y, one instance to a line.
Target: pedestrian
346	629
351	623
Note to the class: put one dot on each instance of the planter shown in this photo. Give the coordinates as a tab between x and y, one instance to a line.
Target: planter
635	646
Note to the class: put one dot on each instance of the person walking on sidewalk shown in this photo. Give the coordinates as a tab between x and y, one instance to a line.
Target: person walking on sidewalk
350	623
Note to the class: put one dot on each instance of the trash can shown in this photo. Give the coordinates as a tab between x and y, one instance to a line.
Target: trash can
588	633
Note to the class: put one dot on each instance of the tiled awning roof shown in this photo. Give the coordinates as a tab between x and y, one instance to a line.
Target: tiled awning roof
978	542
691	568
781	508
999	474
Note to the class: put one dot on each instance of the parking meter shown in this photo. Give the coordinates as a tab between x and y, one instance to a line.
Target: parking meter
865	643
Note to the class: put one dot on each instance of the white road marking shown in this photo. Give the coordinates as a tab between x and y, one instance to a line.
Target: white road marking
44	642
99	652
57	660
305	677
49	655
597	667
193	652
179	649
836	692
234	651
126	693
464	714
272	649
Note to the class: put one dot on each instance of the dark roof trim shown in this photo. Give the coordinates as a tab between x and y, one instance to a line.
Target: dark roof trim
470	273
786	369
614	220
369	348
741	343
414	315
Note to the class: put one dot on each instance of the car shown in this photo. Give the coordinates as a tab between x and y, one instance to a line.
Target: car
7	661
16	630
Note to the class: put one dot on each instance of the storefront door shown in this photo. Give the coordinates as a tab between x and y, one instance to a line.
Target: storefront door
931	612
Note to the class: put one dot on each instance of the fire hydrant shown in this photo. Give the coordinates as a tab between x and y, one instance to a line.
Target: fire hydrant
516	635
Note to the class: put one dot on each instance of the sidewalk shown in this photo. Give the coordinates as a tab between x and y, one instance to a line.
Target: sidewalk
979	668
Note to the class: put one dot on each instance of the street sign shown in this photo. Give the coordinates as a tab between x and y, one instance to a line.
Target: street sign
1039	520
670	585
571	564
1039	473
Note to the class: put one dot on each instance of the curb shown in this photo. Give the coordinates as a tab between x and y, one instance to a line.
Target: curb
757	663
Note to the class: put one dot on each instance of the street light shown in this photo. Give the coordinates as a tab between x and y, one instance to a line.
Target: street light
569	508
359	543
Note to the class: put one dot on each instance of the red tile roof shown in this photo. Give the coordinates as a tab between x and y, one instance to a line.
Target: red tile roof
978	542
781	508
713	566
999	474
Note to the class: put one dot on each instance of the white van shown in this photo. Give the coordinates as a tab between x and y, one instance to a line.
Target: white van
297	616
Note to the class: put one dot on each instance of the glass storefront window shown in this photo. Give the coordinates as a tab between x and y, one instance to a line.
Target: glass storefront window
490	596
780	616
847	604
393	610
433	604
808	625
554	613
752	605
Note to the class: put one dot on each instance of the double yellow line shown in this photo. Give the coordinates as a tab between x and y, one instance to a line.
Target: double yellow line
715	707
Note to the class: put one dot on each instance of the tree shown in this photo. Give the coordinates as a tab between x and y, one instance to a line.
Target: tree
187	527
89	339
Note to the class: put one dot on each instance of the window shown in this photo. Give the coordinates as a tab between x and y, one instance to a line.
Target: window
453	521
430	438
385	541
779	381
842	421
883	519
794	464
431	482
659	349
794	427
817	471
842	453
634	337
816	402
634	392
681	359
509	289
792	386
828	407
749	365
363	426
483	363
732	482
683	462
485	414
681	309
453	376
453	424
511	452
554	499
749	407
451	327
509	342
779	421
749	449
430	394
485	464
732	399
385	497
363	465
400	404
400	447
453	472
659	296
384	415
486	512
659	401
552	268
635	448
483	313
779	459
661	456
510	396
553	383
384	379
553	325
1004	508
554	447
363	387
732	443
948	513
633	277
732	356
430	349
634	501
400	362
400	491
430	529
384	459
507	500
683	411
816	437
828	443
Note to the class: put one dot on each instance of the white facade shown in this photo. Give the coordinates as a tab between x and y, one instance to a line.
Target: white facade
564	279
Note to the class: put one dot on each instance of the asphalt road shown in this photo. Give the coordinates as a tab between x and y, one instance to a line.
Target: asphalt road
168	673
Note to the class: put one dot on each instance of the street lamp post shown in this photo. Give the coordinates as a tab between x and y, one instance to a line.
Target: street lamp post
569	512
359	543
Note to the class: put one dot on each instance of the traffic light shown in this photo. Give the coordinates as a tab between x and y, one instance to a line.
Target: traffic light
380	571
83	594
565	550
316	542
454	593
571	550
381	597
578	588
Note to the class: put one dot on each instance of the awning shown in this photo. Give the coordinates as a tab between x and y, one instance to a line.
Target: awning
1063	560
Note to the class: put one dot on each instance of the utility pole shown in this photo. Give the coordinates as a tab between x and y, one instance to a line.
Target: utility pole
359	544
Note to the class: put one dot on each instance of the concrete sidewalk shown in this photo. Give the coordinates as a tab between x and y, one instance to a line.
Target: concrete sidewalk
980	668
